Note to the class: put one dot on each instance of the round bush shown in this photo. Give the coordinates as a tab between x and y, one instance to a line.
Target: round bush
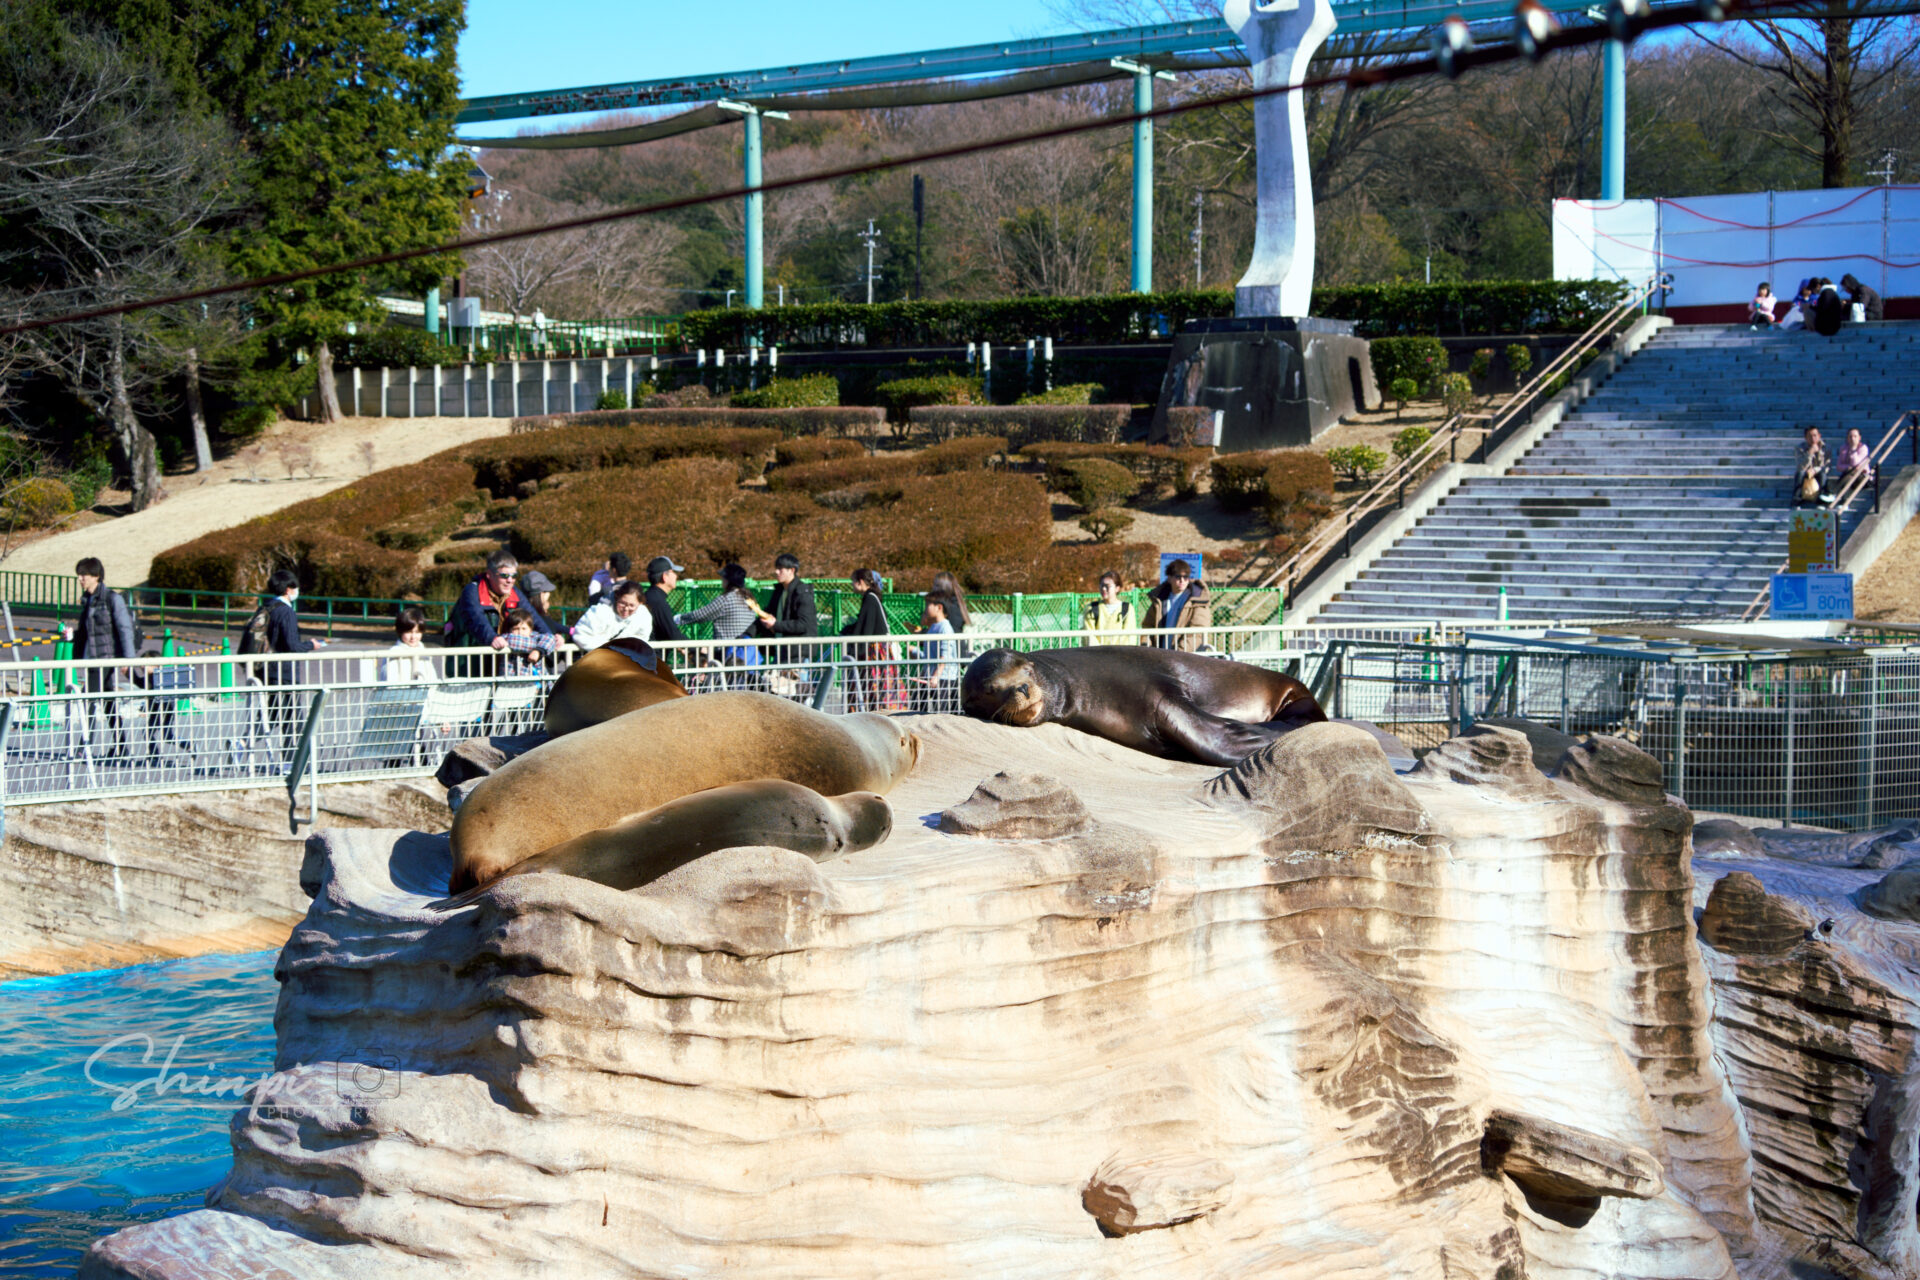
39	501
1106	524
1409	441
1097	483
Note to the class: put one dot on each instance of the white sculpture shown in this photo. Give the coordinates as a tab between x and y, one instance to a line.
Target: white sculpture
1280	35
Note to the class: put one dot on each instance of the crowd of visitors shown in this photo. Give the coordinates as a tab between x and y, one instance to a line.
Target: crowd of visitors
1817	305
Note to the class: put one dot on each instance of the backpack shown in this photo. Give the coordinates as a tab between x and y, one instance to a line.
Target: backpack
253	636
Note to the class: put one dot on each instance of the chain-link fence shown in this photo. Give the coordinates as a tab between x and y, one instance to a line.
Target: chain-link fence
1828	739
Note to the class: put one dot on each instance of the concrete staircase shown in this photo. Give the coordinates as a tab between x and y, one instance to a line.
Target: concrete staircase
1666	493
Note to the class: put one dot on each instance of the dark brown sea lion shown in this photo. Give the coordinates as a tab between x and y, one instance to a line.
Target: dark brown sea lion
1183	706
605	683
611	772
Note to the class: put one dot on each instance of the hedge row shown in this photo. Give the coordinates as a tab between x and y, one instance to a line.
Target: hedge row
1266	476
1487	306
790	423
790	453
1179	469
839	473
1025	424
503	463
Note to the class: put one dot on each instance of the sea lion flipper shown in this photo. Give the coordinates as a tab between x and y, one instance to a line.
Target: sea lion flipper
1212	739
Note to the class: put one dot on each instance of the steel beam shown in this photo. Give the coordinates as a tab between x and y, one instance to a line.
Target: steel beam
1613	122
756	290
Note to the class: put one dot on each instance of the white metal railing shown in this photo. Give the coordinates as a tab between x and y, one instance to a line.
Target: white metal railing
80	729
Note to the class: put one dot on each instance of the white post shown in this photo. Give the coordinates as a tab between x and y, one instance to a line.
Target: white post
986	368
384	371
1280	40
626	379
436	390
514	375
773	355
353	381
546	382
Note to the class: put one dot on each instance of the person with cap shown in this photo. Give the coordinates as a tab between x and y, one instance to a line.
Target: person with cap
663	575
536	593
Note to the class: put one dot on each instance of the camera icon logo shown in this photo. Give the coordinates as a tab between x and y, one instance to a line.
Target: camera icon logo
372	1074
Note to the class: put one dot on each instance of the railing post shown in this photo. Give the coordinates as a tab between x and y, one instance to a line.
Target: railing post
1566	704
1786	793
1019	612
1680	740
304	763
1870	757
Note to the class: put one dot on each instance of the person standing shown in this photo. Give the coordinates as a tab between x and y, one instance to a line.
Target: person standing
481	606
620	615
944	584
536	596
608	576
103	629
1109	614
872	680
663	575
934	688
283	636
407	661
1179	602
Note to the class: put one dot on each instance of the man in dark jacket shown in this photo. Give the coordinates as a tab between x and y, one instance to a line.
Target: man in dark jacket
1180	601
663	575
793	610
1865	297
283	636
104	629
481	606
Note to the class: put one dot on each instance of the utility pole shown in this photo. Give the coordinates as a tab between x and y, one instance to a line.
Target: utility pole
1199	236
1889	166
872	236
919	228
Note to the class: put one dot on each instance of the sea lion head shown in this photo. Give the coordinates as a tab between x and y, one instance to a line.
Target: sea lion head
1002	687
891	748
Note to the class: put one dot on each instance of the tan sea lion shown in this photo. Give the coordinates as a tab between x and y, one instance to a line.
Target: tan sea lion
602	774
1182	706
605	683
770	811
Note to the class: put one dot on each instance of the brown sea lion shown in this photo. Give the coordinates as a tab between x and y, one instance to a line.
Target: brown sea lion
1182	706
611	771
770	811
605	683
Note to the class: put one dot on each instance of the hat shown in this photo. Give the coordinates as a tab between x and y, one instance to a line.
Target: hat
660	564
534	580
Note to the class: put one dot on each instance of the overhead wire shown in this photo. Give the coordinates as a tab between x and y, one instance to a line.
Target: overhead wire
1360	78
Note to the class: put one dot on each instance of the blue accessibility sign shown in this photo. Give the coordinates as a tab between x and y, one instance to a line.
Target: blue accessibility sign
1811	596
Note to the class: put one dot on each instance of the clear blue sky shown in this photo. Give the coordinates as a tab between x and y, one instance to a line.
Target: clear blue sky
517	47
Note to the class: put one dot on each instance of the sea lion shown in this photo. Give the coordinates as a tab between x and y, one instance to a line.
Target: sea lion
602	774
1182	706
769	811
604	683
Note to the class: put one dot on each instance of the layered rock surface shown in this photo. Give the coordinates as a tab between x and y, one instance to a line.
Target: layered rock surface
1085	1013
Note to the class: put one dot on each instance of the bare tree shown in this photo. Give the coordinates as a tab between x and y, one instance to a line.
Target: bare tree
108	186
610	269
1830	71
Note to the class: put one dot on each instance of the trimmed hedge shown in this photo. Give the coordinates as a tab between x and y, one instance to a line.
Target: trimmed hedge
1098	483
1073	393
788	422
815	390
1026	424
841	473
1270	477
502	463
900	396
674	504
1482	306
789	453
1074	567
1155	464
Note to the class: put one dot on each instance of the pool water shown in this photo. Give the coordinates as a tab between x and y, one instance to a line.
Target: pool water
90	1141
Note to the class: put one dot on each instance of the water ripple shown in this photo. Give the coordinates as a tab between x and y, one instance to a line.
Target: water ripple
72	1168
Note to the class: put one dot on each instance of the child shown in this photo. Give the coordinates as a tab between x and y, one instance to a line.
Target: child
527	649
932	686
410	662
1763	303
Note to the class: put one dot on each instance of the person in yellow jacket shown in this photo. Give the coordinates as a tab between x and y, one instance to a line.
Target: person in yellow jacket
1109	614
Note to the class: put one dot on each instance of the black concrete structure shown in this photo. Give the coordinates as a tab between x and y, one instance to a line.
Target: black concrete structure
1277	382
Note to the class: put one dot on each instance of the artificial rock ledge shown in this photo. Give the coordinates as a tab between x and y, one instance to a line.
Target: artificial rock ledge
1085	1013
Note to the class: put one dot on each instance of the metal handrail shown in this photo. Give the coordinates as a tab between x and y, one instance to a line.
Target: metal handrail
1394	481
1907	425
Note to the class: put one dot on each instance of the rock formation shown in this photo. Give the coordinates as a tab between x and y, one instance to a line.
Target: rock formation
1089	1013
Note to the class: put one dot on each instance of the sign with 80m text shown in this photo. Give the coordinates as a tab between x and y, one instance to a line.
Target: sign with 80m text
1811	596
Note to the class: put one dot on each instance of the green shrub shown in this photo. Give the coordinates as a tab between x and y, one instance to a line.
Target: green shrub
790	453
611	398
1076	393
245	421
1480	367
1403	390
1155	464
1239	479
393	346
88	479
1421	359
1379	310
901	395
1409	441
1027	424
37	501
1095	484
1357	461
1520	360
1106	523
815	390
1456	393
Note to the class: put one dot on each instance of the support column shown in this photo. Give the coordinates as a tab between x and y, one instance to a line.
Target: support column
756	290
1142	183
433	309
1613	122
